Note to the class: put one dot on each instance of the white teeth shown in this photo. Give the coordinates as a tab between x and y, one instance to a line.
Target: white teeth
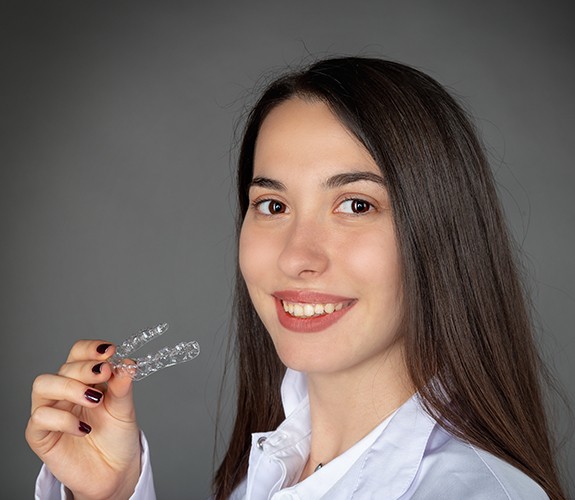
310	310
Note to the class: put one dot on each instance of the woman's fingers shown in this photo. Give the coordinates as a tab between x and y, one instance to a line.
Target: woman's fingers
119	402
84	350
48	389
90	372
46	424
45	420
81	379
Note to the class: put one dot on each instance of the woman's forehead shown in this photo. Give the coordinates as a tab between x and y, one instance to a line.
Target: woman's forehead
302	134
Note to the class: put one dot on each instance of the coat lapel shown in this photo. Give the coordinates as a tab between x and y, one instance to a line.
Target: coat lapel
389	467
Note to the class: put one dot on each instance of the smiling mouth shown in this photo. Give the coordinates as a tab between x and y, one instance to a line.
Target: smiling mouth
307	310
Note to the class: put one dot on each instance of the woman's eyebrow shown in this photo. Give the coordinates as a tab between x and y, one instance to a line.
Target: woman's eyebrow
268	183
340	180
332	182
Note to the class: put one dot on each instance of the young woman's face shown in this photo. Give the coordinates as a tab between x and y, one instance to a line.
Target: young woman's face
318	250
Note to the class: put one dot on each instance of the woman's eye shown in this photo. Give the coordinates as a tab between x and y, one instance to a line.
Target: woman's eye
270	207
355	206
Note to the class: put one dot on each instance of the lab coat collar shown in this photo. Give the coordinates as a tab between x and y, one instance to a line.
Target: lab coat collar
293	390
390	465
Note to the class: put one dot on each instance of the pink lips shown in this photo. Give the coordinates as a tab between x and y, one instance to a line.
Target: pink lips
315	323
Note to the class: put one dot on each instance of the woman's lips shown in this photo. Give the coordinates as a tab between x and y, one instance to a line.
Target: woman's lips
308	312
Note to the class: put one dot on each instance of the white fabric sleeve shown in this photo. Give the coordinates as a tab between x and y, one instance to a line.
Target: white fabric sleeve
49	488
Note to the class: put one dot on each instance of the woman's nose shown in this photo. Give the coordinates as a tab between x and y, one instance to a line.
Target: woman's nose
305	252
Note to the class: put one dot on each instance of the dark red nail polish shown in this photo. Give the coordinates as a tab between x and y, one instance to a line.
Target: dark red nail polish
102	348
93	396
97	369
84	427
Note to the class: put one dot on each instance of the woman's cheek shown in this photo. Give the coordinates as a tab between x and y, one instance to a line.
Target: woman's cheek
254	254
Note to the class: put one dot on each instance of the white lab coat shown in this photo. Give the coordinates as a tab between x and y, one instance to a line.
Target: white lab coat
408	456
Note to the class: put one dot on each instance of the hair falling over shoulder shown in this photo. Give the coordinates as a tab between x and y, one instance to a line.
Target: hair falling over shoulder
468	332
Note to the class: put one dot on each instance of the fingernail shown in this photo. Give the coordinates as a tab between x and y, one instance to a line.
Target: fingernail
97	368
102	348
93	396
84	427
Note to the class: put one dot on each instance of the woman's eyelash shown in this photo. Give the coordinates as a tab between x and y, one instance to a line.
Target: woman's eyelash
358	206
279	206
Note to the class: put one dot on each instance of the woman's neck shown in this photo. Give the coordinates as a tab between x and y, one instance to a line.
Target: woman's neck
347	406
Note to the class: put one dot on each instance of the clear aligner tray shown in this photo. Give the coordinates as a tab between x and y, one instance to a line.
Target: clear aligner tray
123	363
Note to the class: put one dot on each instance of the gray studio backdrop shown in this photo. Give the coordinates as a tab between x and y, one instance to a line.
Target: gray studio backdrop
116	188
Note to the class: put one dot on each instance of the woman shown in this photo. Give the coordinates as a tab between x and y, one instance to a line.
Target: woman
374	265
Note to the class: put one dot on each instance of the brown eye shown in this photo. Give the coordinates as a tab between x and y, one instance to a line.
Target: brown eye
360	206
355	206
271	207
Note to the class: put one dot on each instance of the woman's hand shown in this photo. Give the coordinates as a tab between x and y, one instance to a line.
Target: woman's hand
83	424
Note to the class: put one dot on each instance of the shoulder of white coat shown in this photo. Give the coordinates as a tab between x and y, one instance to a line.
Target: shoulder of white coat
454	469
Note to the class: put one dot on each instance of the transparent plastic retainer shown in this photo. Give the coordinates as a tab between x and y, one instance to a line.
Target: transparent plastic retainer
123	363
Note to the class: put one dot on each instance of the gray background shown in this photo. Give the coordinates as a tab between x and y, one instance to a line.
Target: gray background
116	152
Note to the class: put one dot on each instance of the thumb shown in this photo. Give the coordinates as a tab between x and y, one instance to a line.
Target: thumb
119	397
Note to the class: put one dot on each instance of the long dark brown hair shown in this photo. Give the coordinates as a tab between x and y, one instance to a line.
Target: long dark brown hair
469	343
